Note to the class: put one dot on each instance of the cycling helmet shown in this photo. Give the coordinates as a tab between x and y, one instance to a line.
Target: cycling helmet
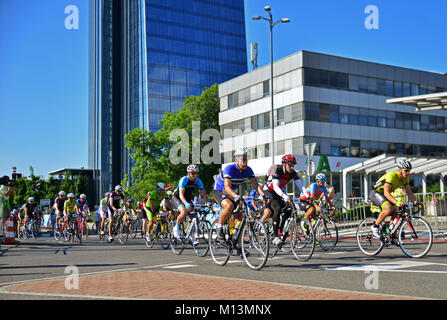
62	193
289	158
321	177
83	196
118	188
241	152
160	186
71	195
107	194
31	199
404	164
169	193
192	168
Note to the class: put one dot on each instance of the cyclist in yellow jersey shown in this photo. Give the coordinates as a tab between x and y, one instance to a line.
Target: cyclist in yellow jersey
70	207
381	195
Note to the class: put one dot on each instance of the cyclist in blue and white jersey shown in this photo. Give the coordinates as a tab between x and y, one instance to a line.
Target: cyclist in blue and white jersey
182	197
227	184
250	200
83	205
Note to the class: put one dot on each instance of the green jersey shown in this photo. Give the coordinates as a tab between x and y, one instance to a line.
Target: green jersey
393	179
157	198
70	205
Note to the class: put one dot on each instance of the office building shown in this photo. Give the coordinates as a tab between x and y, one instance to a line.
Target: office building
336	102
145	58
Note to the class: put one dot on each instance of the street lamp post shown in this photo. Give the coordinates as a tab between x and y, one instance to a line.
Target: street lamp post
271	24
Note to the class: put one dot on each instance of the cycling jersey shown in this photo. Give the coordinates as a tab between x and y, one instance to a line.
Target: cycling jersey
277	179
59	204
252	195
82	204
157	198
391	178
314	191
70	205
236	176
189	186
32	207
116	200
103	202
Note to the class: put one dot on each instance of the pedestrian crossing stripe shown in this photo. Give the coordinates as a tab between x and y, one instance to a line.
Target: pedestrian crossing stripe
384	266
180	266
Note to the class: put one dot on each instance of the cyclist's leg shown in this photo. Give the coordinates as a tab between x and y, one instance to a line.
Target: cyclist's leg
110	217
276	205
151	218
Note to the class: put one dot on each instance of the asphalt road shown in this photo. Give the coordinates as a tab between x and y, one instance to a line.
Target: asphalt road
345	268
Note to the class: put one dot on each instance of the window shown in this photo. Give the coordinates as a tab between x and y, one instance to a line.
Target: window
280	117
335	151
311	77
407	90
324	112
397	89
334	113
323	78
312	111
381	87
343	82
389	88
363	84
265	88
280	147
333	79
267	150
372	121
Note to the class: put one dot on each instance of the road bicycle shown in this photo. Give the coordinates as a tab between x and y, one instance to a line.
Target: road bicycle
83	226
117	229
302	236
61	230
31	229
412	234
74	230
325	229
159	232
251	240
195	232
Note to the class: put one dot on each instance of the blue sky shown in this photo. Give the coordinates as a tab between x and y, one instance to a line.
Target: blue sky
44	66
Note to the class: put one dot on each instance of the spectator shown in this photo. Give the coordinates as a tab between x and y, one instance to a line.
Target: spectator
6	191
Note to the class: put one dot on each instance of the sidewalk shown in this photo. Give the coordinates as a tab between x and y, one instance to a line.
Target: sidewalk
169	285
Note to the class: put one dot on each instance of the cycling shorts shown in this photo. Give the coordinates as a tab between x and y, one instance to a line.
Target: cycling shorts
148	214
378	199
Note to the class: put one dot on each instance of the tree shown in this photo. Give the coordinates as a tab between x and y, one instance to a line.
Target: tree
151	151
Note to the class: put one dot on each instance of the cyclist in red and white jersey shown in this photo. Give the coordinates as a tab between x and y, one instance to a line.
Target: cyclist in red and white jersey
277	178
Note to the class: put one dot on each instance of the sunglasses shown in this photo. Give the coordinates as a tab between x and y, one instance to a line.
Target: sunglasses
406	170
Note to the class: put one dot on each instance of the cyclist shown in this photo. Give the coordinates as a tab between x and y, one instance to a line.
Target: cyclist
115	198
83	205
381	194
104	211
59	206
249	198
182	197
70	207
152	206
30	210
129	209
226	185
314	191
277	178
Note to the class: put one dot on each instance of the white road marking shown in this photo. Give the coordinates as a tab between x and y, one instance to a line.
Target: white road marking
180	266
389	267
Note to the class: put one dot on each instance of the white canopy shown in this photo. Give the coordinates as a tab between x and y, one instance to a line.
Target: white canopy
424	102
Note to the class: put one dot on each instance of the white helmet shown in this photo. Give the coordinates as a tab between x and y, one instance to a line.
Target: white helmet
160	186
404	164
192	168
71	195
118	188
321	177
83	196
241	152
62	193
169	193
31	199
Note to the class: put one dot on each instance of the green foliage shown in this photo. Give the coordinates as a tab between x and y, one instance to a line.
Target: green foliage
151	150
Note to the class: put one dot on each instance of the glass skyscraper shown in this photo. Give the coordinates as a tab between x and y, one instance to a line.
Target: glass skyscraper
146	56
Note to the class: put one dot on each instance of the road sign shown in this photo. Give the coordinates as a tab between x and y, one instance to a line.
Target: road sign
45	202
309	148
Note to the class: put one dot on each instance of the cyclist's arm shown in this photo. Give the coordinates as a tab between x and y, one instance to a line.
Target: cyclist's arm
228	189
388	195
279	191
181	193
410	193
152	206
256	186
301	187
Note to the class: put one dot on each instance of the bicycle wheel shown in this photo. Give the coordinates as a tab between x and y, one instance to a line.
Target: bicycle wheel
220	250
369	245
200	236
177	245
57	234
255	244
273	249
84	231
163	236
135	228
326	234
123	233
302	239
415	237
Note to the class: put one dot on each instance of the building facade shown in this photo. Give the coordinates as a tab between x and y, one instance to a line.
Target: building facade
338	103
146	56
